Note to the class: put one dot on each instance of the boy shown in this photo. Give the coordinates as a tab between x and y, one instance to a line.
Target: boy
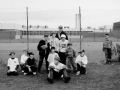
13	65
52	55
54	42
56	70
44	50
81	62
107	48
30	65
62	48
71	55
24	57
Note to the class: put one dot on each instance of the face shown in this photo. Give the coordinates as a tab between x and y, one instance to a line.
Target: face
46	38
25	52
82	54
69	46
12	55
53	35
107	36
31	56
63	38
52	50
60	30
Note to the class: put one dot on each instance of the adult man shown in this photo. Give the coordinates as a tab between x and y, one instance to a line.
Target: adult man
44	49
107	48
60	32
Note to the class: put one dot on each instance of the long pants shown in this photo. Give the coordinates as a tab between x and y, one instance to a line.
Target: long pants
62	57
12	73
43	56
33	69
53	74
81	69
70	63
22	66
108	54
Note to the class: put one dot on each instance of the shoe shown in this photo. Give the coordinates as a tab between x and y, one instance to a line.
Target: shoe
78	73
50	80
67	80
34	73
25	74
22	71
62	76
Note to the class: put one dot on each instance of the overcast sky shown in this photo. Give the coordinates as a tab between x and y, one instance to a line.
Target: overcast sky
60	12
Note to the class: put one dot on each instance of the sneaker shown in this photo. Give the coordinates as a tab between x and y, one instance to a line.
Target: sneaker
25	74
50	80
22	71
78	73
34	73
62	76
67	80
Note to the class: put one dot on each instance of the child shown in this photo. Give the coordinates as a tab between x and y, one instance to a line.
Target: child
71	55
24	57
63	46
56	70
81	62
54	42
30	65
52	55
13	65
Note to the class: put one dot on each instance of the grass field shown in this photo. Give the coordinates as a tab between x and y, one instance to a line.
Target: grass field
99	76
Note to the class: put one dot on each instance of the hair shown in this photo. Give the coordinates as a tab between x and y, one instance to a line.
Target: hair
107	34
52	48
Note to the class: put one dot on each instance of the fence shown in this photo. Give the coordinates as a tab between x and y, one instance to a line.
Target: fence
13	21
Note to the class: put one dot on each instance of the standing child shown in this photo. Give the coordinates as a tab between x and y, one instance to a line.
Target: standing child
63	46
52	55
81	62
24	58
71	55
13	65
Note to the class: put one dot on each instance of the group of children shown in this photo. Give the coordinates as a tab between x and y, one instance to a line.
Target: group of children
61	61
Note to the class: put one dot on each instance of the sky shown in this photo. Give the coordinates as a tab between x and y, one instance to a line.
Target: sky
53	13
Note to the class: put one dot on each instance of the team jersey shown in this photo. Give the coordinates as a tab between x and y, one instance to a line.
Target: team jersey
51	57
63	45
81	60
23	59
12	63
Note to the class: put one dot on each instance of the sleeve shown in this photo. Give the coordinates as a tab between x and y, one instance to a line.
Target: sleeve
34	62
21	60
26	63
39	45
85	61
17	61
8	64
74	53
77	59
48	58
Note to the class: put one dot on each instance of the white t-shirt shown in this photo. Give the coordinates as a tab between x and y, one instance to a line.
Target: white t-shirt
54	42
58	67
63	45
51	57
23	59
12	63
81	60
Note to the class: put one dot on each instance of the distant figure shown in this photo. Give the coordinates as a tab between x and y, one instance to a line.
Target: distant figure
54	42
56	70
13	65
23	60
71	55
62	48
30	65
81	62
44	50
107	48
60	32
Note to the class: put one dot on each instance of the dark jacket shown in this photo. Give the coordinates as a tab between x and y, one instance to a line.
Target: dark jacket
42	42
57	36
31	62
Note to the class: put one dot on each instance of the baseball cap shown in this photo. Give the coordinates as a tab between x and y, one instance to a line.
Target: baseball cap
81	51
63	36
12	53
60	27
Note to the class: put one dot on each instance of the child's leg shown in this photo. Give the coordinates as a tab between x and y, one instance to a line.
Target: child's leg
78	67
82	70
73	64
33	68
26	70
68	64
50	76
66	78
